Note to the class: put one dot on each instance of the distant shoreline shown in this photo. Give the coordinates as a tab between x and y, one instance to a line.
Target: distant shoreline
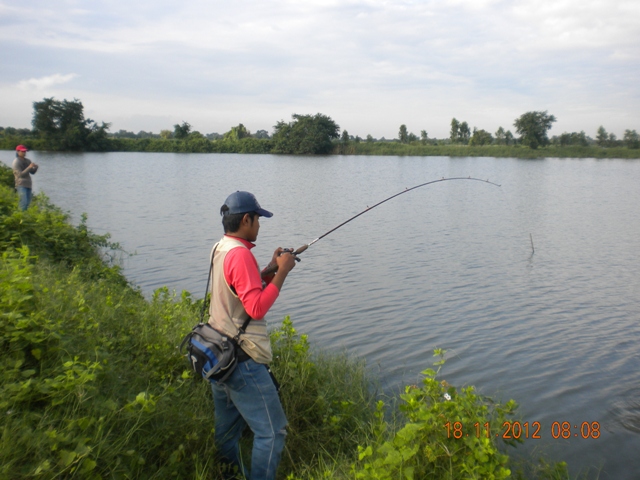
376	148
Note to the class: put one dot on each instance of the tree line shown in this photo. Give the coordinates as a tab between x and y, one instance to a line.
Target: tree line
532	128
62	126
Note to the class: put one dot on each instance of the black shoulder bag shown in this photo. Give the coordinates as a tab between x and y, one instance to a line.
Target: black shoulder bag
212	354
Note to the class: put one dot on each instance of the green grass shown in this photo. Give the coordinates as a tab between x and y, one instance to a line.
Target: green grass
516	151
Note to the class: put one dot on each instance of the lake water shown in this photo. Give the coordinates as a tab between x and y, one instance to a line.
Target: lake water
450	265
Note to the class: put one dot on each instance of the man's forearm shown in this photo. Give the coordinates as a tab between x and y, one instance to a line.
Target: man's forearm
278	279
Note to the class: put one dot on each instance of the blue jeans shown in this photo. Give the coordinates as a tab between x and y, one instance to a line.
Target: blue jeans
25	197
249	397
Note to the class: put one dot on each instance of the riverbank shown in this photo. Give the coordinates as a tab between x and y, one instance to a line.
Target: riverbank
200	144
92	384
498	151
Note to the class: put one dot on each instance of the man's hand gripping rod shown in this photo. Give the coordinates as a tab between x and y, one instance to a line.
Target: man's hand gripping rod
272	268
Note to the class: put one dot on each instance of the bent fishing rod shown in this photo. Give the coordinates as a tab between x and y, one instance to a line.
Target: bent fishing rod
272	267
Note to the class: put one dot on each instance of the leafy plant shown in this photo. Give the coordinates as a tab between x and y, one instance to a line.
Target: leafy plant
46	230
432	443
6	176
62	126
327	398
306	134
533	126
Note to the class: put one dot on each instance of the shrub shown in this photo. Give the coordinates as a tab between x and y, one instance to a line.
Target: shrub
46	230
91	384
432	443
328	400
6	176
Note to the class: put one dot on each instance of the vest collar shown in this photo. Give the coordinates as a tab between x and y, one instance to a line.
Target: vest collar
246	243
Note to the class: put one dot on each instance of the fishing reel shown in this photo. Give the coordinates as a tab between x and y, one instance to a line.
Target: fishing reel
273	267
292	252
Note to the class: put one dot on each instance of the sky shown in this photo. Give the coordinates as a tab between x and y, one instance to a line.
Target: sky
370	65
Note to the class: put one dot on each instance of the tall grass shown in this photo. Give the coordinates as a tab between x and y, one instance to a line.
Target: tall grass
190	145
328	400
253	145
456	150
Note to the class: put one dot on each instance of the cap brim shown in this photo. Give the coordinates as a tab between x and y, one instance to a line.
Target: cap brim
264	213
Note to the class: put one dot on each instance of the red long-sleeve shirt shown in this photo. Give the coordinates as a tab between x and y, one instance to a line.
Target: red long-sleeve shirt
241	271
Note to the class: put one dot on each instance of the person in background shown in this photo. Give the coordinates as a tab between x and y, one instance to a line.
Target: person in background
250	395
23	168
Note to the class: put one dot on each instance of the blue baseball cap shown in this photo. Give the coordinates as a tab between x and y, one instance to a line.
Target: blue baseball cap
243	202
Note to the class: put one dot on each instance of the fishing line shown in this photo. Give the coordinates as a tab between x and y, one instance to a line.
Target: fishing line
271	268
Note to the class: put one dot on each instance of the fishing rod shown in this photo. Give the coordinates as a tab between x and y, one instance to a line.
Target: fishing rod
272	267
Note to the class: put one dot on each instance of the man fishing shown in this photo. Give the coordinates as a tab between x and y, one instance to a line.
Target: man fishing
23	168
249	396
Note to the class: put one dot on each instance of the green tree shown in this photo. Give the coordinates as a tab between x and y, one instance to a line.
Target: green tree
532	127
563	140
143	134
500	140
345	137
460	132
480	137
573	138
306	134
403	135
181	131
631	139
455	131
237	133
124	134
63	126
166	134
580	139
45	118
508	138
262	134
602	138
423	137
370	138
465	133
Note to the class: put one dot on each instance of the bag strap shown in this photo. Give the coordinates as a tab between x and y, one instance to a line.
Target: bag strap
241	330
206	291
244	326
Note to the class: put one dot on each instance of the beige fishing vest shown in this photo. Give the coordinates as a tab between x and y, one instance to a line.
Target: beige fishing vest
226	313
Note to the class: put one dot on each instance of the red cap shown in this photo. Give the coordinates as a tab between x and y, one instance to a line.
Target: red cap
21	148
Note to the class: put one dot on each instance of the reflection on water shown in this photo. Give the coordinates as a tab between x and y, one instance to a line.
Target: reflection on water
449	265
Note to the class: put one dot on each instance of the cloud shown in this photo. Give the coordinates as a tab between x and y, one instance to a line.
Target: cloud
46	82
370	64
